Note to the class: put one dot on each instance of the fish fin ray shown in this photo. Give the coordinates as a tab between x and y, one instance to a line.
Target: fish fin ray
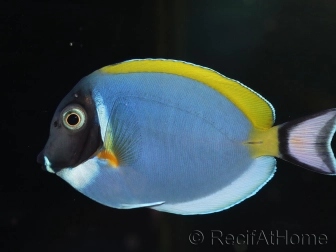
122	134
307	142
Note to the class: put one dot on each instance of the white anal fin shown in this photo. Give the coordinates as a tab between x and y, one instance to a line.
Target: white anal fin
130	206
249	183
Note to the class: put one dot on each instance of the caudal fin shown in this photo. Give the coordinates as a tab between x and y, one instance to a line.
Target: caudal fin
306	142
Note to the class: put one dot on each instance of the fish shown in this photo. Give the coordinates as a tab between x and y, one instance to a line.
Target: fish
176	137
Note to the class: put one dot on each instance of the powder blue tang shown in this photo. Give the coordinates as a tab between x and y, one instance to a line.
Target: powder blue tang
173	136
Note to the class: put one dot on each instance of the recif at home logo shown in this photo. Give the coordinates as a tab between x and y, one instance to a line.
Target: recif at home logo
257	237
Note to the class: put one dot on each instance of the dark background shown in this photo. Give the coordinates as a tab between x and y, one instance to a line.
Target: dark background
285	50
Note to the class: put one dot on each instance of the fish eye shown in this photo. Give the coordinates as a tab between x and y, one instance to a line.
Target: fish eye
74	118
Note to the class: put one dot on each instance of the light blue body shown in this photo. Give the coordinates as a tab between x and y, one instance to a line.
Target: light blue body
178	147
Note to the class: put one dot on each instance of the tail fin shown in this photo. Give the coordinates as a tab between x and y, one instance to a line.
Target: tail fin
306	142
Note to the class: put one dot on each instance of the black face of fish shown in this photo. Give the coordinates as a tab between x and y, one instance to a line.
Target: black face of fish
74	132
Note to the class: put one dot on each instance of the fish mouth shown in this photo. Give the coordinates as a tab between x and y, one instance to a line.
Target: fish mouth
44	161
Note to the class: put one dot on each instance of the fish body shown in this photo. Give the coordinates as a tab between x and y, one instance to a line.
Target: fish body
176	137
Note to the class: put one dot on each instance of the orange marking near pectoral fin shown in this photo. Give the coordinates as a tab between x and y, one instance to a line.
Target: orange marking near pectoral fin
109	157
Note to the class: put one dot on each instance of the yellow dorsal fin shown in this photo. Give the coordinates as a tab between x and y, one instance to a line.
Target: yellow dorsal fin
259	111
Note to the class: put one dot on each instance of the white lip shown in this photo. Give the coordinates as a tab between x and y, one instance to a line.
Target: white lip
47	165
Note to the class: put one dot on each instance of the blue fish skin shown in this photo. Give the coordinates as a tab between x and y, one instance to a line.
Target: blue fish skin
180	138
173	143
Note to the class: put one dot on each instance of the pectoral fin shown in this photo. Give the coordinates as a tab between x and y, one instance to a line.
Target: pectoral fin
122	136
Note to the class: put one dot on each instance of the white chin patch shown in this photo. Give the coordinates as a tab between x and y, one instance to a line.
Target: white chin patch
47	165
81	175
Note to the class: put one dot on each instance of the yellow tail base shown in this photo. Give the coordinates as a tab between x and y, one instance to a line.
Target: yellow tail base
263	142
